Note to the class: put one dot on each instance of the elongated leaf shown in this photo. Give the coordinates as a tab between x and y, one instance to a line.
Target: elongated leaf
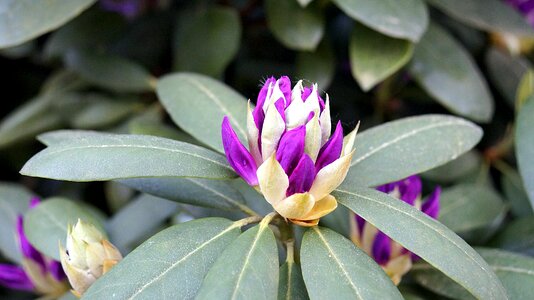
206	43
467	207
404	19
23	20
374	56
524	142
212	101
461	167
525	89
318	66
14	201
489	15
334	266
195	191
448	74
515	193
247	269
46	225
296	27
516	273
425	237
138	218
517	236
409	146
291	285
102	156
110	72
170	264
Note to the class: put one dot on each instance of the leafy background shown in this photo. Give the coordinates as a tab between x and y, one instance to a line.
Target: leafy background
80	67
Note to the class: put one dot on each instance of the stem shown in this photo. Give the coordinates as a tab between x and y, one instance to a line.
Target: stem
249	211
503	166
290	249
483	175
246	221
268	218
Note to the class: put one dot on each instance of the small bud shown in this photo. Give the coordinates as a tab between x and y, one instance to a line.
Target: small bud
87	257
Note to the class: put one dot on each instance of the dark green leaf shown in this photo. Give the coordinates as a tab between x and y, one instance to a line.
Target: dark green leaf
404	19
46	224
206	43
213	100
23	20
374	56
515	193
103	156
291	285
170	264
296	27
333	266
247	269
409	146
524	146
318	66
517	236
463	166
448	73
425	237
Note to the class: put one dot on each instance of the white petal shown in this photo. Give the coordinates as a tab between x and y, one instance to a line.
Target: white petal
252	136
296	114
296	93
273	180
348	141
268	97
295	206
273	128
326	123
331	176
313	138
312	102
276	93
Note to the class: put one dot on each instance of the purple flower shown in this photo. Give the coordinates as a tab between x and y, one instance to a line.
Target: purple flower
131	8
291	158
37	272
525	7
394	259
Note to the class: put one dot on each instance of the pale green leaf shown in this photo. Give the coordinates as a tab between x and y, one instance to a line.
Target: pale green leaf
333	266
524	146
515	193
318	66
449	75
171	264
465	165
517	236
291	285
426	237
409	146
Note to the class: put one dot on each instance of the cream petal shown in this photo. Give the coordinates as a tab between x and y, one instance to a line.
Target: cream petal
331	176
348	141
305	223
397	267
368	238
313	138
321	208
252	136
273	180
312	102
326	123
273	128
275	94
296	93
296	114
295	206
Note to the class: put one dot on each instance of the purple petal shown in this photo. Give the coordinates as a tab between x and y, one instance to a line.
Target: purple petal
285	86
386	188
410	189
331	150
291	148
237	155
127	8
54	268
302	177
14	277
431	205
381	248
360	222
280	107
258	113
307	92
26	248
34	201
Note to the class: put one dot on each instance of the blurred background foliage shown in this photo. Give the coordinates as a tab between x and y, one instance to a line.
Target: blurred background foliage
93	65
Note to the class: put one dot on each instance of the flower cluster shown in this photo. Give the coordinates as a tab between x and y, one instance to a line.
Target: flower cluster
292	159
394	259
38	273
525	7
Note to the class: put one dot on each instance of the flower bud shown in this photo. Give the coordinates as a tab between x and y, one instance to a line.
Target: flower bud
88	255
394	259
292	158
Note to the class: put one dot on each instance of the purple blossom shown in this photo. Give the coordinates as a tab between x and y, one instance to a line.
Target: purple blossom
525	7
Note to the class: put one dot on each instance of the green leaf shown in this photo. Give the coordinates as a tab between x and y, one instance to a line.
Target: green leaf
104	156
425	237
467	207
516	273
291	285
515	193
195	191
334	266
338	220
525	89
208	41
170	264
46	224
14	201
403	19
463	166
489	15
449	75
524	146
138	218
374	56
409	146
304	3
247	269
213	100
111	72
158	128
318	66
517	236
23	20
296	27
